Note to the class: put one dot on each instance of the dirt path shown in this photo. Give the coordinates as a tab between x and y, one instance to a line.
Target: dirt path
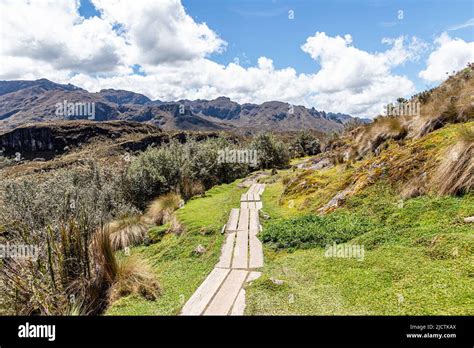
222	292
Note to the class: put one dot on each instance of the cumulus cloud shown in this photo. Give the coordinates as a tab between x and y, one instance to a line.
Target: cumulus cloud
55	36
160	31
50	39
451	54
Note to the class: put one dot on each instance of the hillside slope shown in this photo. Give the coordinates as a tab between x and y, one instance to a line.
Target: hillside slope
398	189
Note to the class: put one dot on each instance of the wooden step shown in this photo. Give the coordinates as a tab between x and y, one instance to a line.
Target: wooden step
227	251
252	189
204	293
231	225
239	305
243	220
253	220
224	299
256	252
240	259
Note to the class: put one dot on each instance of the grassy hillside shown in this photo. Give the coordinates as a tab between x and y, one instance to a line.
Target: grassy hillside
419	253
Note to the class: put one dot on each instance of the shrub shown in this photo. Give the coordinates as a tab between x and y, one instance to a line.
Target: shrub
270	152
153	173
311	231
63	217
305	144
188	168
66	194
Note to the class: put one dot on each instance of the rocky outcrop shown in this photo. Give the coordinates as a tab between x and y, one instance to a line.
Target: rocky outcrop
48	140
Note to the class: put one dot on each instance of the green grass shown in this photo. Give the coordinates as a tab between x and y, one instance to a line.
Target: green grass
178	269
418	260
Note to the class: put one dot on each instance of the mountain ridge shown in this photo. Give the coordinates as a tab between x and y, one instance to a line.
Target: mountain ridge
24	101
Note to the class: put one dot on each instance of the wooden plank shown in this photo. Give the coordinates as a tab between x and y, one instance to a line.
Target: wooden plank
253	221
256	252
243	219
243	197
256	197
222	302
252	189
240	259
258	205
227	251
251	205
239	306
203	295
233	220
244	205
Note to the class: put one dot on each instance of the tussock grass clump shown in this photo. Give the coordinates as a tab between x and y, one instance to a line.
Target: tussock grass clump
160	210
72	273
134	277
455	174
126	232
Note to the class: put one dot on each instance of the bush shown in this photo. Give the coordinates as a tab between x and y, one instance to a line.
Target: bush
270	152
188	168
62	217
305	144
153	173
66	194
311	231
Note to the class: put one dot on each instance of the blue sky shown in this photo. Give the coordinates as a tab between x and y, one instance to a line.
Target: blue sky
334	55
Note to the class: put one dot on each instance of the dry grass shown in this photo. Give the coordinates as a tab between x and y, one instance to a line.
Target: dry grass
134	277
369	138
455	174
127	232
161	209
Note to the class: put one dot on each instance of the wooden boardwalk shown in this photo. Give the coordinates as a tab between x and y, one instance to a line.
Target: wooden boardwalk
223	292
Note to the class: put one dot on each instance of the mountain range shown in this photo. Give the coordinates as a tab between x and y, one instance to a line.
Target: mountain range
24	102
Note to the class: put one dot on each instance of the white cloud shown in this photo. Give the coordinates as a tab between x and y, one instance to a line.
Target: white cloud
450	55
55	36
160	31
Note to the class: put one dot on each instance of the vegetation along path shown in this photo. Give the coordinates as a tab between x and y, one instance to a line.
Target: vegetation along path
222	292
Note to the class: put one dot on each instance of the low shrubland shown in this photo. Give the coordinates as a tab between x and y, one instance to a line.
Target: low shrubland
312	230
